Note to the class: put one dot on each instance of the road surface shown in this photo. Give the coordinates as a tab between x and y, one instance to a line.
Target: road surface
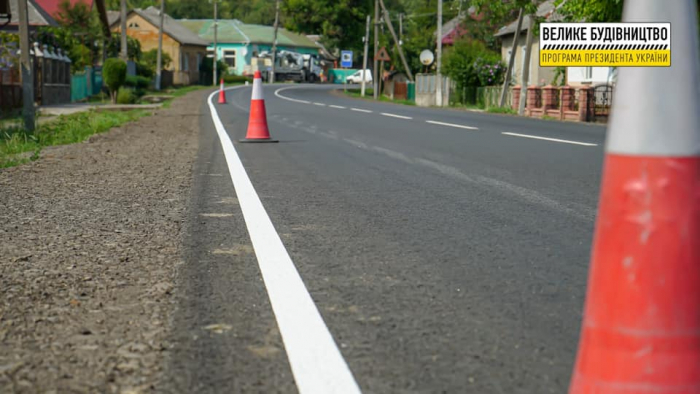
446	251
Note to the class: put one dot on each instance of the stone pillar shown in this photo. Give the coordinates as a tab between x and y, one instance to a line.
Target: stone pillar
531	99
515	101
549	98
585	94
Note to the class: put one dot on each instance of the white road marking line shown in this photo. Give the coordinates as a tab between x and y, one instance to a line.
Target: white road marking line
320	104
549	139
316	362
277	93
337	106
452	125
396	116
361	110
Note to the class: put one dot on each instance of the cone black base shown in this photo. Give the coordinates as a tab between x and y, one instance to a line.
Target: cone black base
257	140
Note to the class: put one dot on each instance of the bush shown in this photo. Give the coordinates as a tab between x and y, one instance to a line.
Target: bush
470	63
236	79
137	82
143	70
150	59
126	96
114	74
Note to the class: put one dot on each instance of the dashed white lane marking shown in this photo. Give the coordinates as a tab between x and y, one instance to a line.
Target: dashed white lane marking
395	116
451	125
361	110
337	106
316	362
320	104
549	139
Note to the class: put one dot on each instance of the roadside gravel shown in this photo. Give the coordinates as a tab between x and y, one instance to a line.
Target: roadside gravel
90	239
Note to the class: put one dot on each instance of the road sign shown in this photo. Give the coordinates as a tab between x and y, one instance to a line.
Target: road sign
346	59
426	57
382	55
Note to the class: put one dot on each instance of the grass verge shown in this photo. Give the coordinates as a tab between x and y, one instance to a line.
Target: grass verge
368	96
16	141
501	110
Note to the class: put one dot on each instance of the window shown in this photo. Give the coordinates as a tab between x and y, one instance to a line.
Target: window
230	58
588	73
184	62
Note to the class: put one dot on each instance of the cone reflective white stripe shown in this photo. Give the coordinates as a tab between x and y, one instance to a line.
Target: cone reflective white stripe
641	327
672	92
257	89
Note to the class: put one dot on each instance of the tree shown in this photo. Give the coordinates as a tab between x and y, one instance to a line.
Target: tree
133	47
114	74
149	59
590	10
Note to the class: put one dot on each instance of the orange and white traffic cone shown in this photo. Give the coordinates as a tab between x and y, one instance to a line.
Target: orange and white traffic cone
222	93
257	122
641	326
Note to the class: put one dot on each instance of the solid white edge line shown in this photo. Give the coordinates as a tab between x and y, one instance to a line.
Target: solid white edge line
277	93
451	125
316	361
550	139
396	116
361	110
337	106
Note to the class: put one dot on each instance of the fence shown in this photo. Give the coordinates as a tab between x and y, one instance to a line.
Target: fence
86	83
565	102
426	90
51	75
483	96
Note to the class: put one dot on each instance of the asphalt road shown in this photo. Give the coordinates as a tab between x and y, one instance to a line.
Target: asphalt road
444	257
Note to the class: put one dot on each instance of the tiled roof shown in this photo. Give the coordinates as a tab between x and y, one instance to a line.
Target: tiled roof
546	10
37	15
51	6
171	27
235	31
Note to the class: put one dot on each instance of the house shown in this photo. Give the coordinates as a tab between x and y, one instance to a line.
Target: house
185	48
36	14
538	75
238	42
575	76
52	6
458	26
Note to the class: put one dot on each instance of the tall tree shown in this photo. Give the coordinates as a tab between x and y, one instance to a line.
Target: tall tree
590	10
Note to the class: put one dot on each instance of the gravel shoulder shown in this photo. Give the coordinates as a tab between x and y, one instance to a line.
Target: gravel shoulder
91	245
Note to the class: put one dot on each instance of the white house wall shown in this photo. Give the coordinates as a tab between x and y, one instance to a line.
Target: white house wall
576	76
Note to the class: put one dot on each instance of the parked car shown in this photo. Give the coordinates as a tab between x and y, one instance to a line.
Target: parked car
357	77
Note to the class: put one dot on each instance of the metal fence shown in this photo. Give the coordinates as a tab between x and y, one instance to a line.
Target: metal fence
483	96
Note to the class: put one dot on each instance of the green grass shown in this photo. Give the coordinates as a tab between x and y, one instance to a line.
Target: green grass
16	142
501	110
368	96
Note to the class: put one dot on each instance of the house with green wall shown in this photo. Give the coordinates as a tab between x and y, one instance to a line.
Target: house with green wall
238	42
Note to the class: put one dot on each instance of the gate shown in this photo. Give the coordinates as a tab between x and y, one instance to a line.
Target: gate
400	91
600	102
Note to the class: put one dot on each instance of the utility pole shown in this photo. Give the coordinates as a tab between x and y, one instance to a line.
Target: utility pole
438	85
526	68
375	82
124	54
159	62
26	66
511	60
216	25
364	57
401	28
387	20
274	41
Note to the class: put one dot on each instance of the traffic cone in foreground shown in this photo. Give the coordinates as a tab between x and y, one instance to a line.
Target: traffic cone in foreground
222	93
641	325
257	122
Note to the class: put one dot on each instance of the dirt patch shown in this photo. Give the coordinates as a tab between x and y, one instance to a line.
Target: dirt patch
91	237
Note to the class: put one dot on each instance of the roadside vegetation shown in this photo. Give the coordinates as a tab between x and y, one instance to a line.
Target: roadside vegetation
355	93
17	145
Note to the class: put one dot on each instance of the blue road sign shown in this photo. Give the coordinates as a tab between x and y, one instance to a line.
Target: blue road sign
346	59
